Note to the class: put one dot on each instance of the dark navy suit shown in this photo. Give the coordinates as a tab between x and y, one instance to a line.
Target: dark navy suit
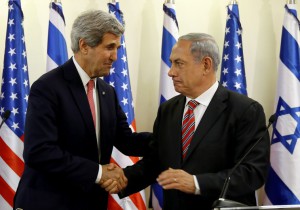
231	124
60	148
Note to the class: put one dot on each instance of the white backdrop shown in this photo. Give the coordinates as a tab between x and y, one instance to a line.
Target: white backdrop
261	21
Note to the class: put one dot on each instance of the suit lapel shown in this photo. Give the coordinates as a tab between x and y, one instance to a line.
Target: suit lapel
177	135
103	103
107	113
79	94
211	115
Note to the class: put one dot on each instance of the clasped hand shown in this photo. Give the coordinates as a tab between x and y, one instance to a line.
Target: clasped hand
113	179
177	179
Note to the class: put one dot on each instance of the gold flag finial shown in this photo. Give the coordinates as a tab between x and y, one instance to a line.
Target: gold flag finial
291	1
170	1
233	2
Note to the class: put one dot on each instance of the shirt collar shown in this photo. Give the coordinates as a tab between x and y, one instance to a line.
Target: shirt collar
205	97
83	75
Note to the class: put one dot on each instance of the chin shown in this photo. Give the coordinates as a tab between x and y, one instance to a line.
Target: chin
177	89
103	73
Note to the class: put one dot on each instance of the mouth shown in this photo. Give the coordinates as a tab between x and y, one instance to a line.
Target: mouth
108	63
175	82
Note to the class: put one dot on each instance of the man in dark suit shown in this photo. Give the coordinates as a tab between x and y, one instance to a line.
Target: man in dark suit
69	136
201	134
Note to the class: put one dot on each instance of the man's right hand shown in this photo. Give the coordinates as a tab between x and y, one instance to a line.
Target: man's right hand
113	179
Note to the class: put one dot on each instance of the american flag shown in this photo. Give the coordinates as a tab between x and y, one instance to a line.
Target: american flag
232	69
166	88
14	97
119	79
57	53
283	183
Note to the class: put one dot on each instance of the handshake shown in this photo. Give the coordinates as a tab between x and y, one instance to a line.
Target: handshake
113	179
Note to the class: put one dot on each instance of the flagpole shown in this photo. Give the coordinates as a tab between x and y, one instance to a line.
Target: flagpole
233	2
170	1
113	1
291	1
56	1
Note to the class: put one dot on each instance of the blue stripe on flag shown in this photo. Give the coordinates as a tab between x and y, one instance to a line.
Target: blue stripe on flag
56	45
171	13
162	99
279	193
157	189
167	41
289	53
293	12
58	9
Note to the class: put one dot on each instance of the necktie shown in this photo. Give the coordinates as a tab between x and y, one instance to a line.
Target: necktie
188	126
90	88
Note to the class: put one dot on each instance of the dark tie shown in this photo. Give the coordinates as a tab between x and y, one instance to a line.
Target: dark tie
188	126
90	88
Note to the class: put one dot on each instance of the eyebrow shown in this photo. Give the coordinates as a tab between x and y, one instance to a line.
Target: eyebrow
113	44
176	60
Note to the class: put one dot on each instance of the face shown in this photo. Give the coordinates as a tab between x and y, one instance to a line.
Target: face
187	74
98	60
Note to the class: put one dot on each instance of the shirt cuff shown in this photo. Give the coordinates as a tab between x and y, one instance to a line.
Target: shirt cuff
197	190
99	174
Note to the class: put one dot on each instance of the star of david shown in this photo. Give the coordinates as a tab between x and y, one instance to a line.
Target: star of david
286	129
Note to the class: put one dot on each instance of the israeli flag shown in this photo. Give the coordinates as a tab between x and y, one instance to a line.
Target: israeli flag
57	53
283	183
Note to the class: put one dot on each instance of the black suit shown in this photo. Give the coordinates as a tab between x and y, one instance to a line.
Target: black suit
229	127
60	147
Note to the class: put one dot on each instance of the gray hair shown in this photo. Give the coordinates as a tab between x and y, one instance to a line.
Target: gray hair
91	26
203	45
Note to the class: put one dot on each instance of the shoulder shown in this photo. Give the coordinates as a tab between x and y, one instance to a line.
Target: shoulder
241	100
232	98
241	104
56	78
48	81
59	71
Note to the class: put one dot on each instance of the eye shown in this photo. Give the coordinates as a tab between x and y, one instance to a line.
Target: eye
178	64
111	47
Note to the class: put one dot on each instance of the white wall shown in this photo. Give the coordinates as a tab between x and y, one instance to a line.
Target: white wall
261	21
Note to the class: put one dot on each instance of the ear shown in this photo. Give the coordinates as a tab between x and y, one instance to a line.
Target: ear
83	47
207	62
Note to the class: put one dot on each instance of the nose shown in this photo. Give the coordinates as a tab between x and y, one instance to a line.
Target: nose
171	72
114	55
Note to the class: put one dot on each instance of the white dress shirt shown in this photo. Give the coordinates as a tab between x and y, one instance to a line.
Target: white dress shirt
85	79
203	100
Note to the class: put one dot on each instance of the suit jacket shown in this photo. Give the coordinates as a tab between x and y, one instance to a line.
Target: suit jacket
60	147
229	127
